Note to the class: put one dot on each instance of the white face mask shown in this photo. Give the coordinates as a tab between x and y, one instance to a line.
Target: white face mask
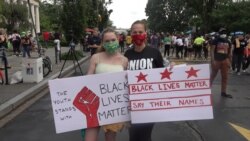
223	35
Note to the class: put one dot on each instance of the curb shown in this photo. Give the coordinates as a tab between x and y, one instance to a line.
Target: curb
15	102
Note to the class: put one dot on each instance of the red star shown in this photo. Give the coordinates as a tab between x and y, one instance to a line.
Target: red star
141	76
166	74
192	72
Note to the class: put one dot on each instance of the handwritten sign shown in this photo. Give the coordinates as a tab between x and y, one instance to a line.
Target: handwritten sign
89	101
182	93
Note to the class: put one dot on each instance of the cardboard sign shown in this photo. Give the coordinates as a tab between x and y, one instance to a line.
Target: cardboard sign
182	93
89	101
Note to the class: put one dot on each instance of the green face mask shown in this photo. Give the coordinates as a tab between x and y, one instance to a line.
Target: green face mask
111	47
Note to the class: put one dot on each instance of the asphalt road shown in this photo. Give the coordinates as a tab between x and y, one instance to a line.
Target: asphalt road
37	124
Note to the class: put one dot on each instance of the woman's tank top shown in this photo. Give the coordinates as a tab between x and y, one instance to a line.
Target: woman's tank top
105	68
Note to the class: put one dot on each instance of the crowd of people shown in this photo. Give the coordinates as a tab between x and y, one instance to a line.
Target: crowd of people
187	46
21	43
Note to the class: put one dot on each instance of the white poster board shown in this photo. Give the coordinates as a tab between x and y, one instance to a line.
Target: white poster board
158	95
89	101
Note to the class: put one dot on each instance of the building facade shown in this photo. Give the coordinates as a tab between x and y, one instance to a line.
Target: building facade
34	4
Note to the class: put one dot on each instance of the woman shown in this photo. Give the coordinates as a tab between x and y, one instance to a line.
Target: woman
25	44
107	60
167	44
3	46
247	54
148	58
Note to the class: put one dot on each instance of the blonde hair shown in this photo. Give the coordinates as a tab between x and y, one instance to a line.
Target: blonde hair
106	30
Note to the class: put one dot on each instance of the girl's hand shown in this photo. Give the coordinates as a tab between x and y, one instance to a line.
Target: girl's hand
172	64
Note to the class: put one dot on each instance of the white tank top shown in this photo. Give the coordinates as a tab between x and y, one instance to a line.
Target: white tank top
105	67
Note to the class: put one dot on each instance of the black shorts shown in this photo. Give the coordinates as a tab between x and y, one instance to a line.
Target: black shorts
190	49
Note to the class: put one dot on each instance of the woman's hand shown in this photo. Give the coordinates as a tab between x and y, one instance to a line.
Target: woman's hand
172	64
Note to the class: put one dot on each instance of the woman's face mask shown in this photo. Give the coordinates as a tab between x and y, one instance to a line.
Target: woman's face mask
111	47
139	39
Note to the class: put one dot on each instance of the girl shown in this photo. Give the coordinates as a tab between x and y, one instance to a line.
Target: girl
108	59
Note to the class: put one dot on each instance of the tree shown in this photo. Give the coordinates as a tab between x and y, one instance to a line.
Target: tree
203	10
2	18
50	15
73	18
167	15
15	15
103	14
233	16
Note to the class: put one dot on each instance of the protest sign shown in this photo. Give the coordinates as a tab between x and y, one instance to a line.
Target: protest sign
158	95
89	101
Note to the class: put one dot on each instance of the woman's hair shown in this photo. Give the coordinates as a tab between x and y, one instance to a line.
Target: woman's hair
140	22
106	30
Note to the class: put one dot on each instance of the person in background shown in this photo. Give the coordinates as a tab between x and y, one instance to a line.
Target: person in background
173	44
185	45
25	44
155	40
122	41
179	46
239	45
221	60
57	40
189	47
206	47
198	44
167	44
247	54
128	40
15	40
107	59
46	37
3	46
32	40
94	41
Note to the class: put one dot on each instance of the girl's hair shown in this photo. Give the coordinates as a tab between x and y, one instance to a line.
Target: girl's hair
139	22
106	30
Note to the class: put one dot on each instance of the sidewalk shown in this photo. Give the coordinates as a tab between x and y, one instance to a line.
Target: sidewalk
12	95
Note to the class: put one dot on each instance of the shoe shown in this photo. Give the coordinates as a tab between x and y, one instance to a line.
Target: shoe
244	70
226	95
232	71
238	73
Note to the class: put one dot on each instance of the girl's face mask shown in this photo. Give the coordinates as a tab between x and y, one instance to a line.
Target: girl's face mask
111	46
139	39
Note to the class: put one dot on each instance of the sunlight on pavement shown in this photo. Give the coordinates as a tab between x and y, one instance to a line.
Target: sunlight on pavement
243	131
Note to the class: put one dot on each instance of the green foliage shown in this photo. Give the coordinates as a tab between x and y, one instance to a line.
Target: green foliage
73	18
77	15
2	18
103	14
207	15
15	16
50	16
233	16
167	15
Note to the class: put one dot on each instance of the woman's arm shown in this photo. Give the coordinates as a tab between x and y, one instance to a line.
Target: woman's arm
92	64
125	63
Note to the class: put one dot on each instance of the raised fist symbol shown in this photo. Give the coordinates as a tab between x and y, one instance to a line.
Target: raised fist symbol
88	103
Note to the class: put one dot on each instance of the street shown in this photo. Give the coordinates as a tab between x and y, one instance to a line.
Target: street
37	124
